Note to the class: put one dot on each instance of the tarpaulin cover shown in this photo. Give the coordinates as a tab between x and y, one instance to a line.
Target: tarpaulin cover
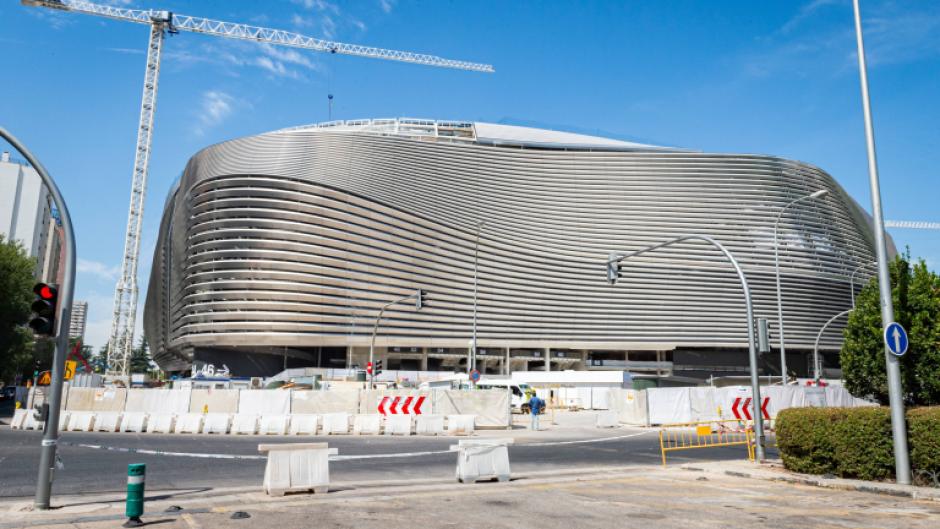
319	402
96	399
630	406
491	407
217	400
262	401
669	405
158	401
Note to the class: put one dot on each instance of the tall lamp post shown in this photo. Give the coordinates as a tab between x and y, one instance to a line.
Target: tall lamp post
50	431
817	367
783	347
902	464
472	360
613	273
852	278
418	296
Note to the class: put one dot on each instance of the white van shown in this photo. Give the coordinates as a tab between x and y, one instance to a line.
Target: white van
518	390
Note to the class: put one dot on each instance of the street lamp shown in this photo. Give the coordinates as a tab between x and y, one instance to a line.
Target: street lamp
783	348
613	273
472	359
418	296
852	278
816	366
50	431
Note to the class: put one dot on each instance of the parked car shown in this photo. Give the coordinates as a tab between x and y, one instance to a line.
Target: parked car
8	393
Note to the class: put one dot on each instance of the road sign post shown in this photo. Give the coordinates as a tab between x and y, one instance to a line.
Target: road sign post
896	339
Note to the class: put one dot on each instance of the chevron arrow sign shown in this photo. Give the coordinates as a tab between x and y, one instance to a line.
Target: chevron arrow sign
412	405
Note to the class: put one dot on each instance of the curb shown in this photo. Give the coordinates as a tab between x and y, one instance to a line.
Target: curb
887	489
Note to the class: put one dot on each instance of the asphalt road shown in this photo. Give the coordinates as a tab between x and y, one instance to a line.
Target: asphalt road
97	462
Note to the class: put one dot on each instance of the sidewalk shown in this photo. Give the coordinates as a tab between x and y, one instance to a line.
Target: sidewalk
598	498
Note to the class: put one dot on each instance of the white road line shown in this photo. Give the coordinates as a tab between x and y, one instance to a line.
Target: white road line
145	451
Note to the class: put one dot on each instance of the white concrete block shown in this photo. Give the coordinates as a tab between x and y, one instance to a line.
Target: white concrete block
273	424
107	421
81	421
460	424
134	421
19	419
479	459
216	423
398	425
160	422
32	424
297	467
335	423
303	424
429	424
607	419
245	423
367	424
188	423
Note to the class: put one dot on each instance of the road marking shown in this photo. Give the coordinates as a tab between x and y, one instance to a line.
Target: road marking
144	451
190	521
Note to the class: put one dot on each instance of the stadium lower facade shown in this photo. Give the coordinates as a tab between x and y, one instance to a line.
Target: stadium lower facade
280	249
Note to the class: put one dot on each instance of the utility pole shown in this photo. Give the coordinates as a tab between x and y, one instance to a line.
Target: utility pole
902	465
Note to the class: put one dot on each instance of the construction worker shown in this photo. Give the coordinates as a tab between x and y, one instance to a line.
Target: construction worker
535	408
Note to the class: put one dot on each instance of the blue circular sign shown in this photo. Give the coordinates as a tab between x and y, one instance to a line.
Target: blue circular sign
896	339
475	376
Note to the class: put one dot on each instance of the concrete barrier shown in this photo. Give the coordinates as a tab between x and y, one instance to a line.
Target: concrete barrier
216	423
461	424
188	423
19	419
160	422
213	401
630	406
245	423
158	401
297	467
303	424
398	425
107	421
273	424
429	424
326	401
335	423
479	459
81	421
96	399
134	421
367	424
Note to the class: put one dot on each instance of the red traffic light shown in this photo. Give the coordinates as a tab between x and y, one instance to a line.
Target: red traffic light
45	291
369	368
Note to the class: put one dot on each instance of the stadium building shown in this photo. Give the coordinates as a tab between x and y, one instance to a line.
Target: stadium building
280	249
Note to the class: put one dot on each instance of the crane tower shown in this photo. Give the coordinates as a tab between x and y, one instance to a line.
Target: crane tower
162	22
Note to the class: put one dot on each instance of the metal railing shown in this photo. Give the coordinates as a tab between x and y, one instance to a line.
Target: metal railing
706	434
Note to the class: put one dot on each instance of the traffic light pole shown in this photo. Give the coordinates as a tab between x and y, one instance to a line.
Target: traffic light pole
50	432
375	329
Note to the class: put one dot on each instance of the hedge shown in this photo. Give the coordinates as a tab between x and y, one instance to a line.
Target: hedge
855	442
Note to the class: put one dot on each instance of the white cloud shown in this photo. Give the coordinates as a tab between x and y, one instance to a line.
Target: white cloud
215	108
99	270
387	5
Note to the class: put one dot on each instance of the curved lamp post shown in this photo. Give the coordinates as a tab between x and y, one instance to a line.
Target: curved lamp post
472	361
613	273
852	278
816	366
419	302
783	347
50	432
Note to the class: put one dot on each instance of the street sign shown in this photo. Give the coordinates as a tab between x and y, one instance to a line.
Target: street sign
70	369
44	379
475	376
738	410
401	405
896	339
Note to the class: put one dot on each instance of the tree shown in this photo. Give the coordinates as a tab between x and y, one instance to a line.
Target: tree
140	357
916	299
16	283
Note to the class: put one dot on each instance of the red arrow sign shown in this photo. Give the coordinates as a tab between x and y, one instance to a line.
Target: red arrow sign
382	404
404	407
417	409
763	408
734	408
394	408
747	408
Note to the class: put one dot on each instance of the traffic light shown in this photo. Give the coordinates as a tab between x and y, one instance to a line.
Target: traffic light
420	300
613	268
44	309
377	368
369	368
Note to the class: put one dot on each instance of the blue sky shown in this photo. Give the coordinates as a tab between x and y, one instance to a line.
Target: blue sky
753	77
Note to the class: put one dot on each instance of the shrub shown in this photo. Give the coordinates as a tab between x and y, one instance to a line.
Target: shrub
855	442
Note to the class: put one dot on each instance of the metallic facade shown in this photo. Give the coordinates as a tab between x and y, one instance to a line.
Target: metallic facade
295	238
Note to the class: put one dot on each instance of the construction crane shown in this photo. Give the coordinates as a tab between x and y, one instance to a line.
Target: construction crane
162	22
913	224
